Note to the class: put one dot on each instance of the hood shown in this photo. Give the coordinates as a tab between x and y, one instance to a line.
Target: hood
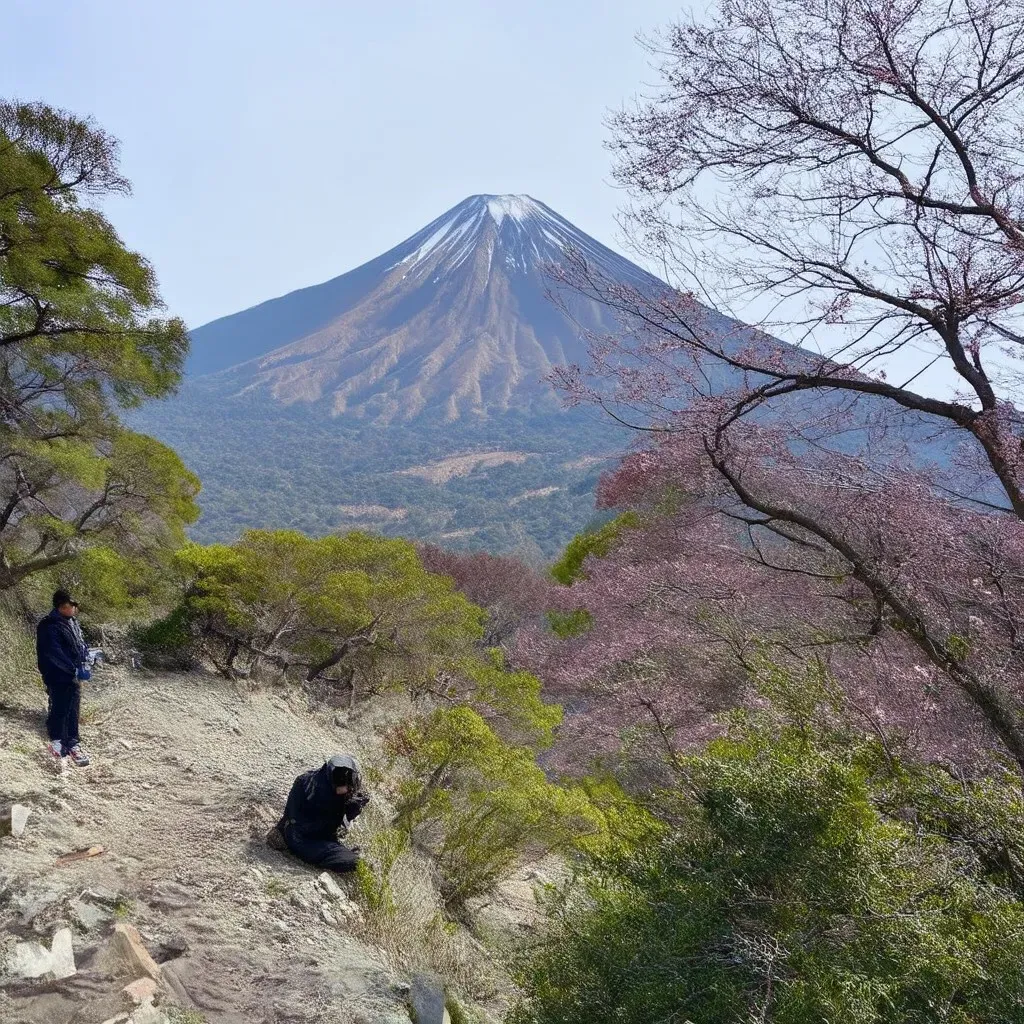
344	761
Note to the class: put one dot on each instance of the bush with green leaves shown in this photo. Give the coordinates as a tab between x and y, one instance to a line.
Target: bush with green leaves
358	609
509	700
804	874
373	872
591	543
481	805
17	654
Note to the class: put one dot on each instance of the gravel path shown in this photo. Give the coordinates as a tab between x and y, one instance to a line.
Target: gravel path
187	776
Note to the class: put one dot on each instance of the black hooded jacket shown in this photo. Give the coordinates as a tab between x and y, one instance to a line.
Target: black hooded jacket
314	811
59	652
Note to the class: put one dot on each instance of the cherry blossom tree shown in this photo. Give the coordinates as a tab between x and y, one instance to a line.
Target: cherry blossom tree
860	165
770	558
511	592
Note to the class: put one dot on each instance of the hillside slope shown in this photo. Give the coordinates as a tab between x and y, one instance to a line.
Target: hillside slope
188	774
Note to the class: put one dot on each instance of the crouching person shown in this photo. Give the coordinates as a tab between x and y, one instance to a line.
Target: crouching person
322	802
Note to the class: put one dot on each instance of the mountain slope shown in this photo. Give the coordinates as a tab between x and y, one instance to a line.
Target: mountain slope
456	320
188	776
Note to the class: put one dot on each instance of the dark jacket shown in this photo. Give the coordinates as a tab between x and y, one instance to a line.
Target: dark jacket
314	810
58	651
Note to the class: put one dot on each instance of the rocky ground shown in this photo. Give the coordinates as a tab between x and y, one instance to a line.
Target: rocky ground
187	775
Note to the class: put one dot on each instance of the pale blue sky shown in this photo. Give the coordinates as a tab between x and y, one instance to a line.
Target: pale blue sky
274	145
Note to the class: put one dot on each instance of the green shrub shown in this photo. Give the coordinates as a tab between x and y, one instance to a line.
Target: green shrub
373	873
570	624
598	543
802	876
459	1014
17	654
168	642
358	610
511	699
480	804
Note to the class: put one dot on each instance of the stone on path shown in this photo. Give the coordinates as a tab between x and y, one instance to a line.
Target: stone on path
62	952
301	899
88	916
427	999
142	990
331	887
30	960
127	944
19	819
149	1014
328	916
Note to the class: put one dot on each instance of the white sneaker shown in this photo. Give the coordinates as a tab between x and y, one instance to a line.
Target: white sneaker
55	748
79	758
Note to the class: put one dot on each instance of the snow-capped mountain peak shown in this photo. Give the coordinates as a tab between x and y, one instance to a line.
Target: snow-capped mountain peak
517	207
454	321
518	231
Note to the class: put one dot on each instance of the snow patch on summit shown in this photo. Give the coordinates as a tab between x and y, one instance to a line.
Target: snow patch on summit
519	208
520	235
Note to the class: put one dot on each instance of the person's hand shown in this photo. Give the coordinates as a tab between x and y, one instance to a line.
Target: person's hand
84	674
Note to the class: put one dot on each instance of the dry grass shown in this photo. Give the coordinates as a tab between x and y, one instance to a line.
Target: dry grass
415	934
18	674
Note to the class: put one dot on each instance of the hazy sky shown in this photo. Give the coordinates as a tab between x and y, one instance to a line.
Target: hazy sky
274	145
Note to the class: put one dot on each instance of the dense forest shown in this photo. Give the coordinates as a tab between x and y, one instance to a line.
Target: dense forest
769	705
297	467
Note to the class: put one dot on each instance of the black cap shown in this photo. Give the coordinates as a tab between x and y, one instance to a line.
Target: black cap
62	597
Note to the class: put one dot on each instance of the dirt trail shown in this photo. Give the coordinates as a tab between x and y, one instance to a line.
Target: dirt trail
186	776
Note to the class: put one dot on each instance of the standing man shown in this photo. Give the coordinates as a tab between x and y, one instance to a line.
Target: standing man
62	658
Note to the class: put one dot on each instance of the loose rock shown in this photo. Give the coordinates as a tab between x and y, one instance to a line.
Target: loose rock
19	819
149	1014
140	991
301	899
171	948
331	887
31	960
127	944
108	897
88	916
427	999
63	953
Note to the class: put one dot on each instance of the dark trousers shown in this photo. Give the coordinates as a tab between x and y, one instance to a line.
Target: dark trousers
65	694
321	853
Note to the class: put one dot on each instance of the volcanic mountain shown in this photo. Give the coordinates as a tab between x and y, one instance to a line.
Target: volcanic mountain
456	320
409	395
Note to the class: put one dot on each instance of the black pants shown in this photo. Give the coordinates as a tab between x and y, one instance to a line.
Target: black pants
322	853
65	694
